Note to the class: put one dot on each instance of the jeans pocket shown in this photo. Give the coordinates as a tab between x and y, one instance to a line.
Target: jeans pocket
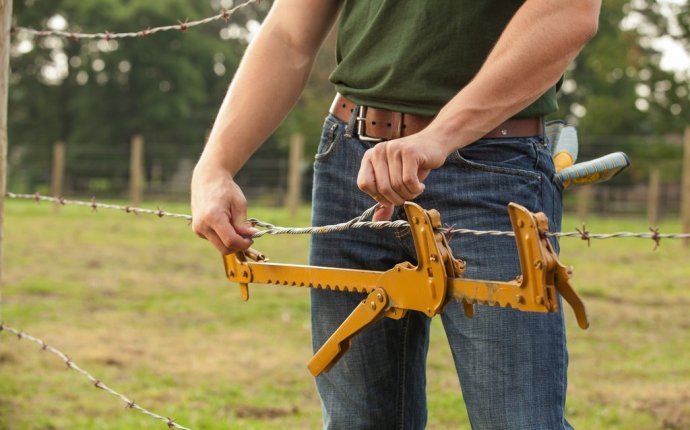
330	137
510	156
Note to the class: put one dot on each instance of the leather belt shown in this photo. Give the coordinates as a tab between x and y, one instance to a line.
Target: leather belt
375	125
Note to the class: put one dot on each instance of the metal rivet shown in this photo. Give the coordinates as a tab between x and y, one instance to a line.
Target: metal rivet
540	300
521	223
520	299
379	296
373	306
504	132
539	264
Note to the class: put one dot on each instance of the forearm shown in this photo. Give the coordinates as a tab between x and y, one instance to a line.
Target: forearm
267	84
531	55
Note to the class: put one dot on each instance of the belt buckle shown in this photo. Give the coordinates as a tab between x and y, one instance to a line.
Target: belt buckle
361	117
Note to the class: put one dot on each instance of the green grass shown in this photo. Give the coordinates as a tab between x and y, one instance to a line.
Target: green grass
143	305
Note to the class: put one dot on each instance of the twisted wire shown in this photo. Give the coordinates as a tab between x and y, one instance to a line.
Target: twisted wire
131	404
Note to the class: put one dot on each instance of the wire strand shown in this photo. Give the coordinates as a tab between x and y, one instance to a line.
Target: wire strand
131	404
182	26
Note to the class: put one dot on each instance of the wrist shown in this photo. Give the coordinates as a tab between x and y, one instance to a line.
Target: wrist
220	158
445	135
210	165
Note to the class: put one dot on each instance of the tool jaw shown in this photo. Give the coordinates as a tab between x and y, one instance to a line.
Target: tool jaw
422	287
542	273
535	290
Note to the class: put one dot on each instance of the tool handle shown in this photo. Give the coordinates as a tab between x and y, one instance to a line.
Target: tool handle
597	170
366	313
565	148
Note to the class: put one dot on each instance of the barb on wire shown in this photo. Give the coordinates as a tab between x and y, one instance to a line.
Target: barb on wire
182	26
584	235
131	404
656	237
357	222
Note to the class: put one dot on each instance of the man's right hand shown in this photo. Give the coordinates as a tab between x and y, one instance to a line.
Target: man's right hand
268	82
219	210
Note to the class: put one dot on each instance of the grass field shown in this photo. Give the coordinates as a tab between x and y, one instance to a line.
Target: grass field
143	305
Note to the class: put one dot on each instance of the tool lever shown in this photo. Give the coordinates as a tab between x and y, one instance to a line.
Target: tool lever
542	273
366	313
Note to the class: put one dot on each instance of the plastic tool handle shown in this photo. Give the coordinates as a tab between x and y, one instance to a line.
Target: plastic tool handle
566	148
597	170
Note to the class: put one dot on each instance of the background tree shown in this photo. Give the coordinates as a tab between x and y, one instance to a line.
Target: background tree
96	94
620	97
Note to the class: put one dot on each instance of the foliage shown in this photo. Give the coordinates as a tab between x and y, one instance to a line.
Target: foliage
620	97
165	87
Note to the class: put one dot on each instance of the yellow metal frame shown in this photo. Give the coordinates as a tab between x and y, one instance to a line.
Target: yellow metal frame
426	287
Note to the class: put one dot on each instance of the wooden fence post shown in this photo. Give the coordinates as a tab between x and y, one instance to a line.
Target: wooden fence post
653	193
685	187
584	202
136	170
5	26
295	173
58	173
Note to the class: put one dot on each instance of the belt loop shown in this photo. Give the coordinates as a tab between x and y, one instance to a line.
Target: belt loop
350	129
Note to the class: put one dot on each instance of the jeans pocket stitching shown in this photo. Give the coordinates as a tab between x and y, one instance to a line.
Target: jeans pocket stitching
457	158
333	140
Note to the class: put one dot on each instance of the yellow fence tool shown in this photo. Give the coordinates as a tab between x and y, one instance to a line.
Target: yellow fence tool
426	287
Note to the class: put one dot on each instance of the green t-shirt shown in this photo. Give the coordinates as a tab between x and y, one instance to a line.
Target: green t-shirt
414	55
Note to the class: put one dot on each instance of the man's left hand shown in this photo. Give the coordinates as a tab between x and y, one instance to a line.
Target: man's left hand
393	172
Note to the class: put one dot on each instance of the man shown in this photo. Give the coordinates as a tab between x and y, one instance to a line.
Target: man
442	103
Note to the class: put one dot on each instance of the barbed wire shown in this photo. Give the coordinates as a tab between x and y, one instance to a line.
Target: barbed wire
358	222
95	205
182	26
131	404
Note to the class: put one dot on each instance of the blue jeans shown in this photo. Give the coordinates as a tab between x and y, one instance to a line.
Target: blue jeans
512	365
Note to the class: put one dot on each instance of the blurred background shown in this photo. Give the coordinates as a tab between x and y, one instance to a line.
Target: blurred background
628	91
143	304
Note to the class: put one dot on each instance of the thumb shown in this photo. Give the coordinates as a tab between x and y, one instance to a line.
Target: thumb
240	223
383	213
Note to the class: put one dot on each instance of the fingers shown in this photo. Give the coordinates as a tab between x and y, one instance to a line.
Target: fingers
219	210
383	214
212	237
366	181
391	173
224	236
